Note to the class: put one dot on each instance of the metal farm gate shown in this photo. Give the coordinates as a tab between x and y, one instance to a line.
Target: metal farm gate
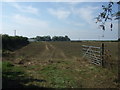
94	54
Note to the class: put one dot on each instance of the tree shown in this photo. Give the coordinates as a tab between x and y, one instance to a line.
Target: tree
13	42
60	38
55	38
67	38
47	38
44	38
107	15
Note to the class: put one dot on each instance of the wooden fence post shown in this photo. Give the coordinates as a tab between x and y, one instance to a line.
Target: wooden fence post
102	53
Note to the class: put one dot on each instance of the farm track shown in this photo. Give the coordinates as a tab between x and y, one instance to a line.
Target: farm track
51	52
47	52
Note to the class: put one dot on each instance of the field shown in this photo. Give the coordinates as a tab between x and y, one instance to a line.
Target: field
58	65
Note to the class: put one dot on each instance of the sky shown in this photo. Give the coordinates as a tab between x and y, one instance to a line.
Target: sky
74	19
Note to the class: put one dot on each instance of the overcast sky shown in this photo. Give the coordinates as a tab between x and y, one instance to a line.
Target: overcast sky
74	19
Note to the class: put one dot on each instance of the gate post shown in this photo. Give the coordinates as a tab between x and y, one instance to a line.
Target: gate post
102	54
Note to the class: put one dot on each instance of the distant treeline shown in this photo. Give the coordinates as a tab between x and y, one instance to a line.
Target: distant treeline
48	38
13	42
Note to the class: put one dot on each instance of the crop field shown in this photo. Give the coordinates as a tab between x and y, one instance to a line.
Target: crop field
58	65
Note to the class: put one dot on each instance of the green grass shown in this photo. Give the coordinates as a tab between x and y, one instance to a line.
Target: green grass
11	71
15	76
59	78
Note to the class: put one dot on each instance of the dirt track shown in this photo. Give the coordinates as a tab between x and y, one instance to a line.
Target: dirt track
51	52
41	52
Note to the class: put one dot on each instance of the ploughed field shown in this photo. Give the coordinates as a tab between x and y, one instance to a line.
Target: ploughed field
58	65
